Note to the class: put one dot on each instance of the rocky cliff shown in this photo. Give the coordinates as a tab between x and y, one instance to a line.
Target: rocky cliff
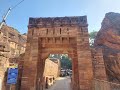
12	44
108	38
12	41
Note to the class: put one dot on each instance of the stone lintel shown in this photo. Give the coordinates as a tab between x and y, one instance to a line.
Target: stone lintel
57	21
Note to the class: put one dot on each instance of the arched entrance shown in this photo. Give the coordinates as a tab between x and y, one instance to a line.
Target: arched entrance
57	35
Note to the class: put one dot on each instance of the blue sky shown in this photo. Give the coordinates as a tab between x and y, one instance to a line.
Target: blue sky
94	9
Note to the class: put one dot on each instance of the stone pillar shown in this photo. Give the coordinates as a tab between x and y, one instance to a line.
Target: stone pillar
98	64
43	55
29	77
85	68
100	76
40	68
75	73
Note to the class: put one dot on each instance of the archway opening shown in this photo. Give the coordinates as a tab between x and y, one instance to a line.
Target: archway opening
52	35
58	72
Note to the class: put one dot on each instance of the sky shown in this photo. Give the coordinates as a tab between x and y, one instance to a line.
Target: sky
94	9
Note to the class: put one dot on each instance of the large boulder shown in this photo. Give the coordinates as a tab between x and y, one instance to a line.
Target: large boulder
108	38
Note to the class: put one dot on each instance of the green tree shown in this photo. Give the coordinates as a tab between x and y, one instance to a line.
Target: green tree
66	62
92	36
64	59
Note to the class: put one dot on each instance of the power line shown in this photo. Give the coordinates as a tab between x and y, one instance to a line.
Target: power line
9	10
17	4
4	18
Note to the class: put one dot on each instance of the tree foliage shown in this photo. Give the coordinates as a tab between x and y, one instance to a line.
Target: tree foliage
64	59
66	62
92	36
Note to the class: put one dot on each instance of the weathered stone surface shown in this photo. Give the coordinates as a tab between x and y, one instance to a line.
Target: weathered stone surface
52	67
108	39
57	35
12	44
51	71
99	70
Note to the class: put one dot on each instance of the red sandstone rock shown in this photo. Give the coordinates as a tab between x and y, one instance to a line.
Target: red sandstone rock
12	44
108	38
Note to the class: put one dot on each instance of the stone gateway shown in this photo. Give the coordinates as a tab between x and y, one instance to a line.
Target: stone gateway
57	35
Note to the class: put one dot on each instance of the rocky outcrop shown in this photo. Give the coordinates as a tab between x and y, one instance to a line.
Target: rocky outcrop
12	44
108	38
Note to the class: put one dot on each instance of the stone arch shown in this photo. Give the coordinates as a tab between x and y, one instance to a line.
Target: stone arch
39	46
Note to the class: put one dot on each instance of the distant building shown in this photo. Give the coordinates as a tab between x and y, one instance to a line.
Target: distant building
51	71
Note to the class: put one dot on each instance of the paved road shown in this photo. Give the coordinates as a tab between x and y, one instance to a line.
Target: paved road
62	83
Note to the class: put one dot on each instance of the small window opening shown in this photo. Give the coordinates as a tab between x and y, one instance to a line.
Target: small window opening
32	32
47	31
67	31
60	30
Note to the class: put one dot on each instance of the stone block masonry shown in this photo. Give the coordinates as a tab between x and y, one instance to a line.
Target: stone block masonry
57	35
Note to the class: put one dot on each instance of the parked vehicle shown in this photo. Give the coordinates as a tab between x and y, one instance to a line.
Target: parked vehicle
62	73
